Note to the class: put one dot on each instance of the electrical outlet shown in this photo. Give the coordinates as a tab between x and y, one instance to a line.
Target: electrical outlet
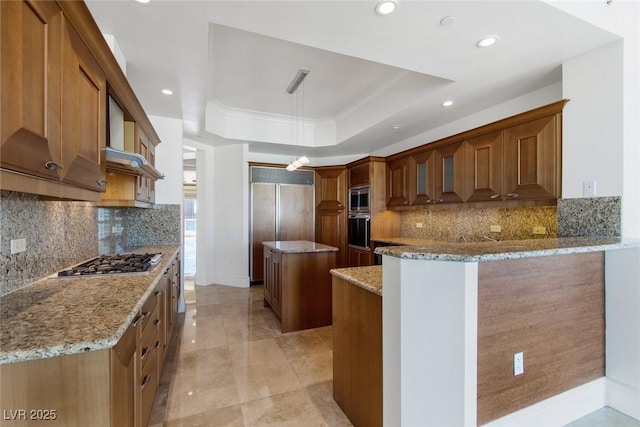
589	188
496	228
418	225
18	245
518	363
539	230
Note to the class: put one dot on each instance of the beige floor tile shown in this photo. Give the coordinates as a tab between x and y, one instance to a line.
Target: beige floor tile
293	409
321	395
256	381
237	334
313	368
301	343
231	416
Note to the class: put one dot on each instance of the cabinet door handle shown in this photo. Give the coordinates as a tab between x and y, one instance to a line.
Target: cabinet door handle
405	202
495	196
157	344
156	293
102	182
145	381
144	353
157	322
513	195
50	165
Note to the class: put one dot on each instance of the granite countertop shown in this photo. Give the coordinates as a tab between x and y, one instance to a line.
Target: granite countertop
512	249
54	317
368	278
298	246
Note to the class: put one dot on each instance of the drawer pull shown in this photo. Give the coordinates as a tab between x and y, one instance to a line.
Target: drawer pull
156	293
102	182
136	319
145	351
145	381
513	195
495	196
157	322
157	344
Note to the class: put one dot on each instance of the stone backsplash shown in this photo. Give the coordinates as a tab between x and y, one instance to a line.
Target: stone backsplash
594	216
119	228
63	233
57	234
453	225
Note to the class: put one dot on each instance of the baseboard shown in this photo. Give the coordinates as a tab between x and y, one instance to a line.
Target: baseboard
623	398
559	410
231	280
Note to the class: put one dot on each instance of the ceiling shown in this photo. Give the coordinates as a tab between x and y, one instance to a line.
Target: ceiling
368	72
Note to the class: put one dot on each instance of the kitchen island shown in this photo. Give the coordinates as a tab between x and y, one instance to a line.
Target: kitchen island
297	283
454	315
88	350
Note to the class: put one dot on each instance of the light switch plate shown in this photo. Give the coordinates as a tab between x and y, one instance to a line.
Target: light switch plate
18	245
518	363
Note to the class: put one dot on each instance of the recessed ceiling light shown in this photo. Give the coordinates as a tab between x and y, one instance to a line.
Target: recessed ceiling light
385	7
167	91
447	20
487	41
447	103
396	127
143	1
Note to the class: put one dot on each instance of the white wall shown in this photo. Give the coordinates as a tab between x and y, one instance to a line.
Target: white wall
592	122
205	243
621	18
169	160
231	213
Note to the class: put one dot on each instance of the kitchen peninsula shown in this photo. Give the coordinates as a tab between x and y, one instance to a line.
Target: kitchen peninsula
297	283
454	315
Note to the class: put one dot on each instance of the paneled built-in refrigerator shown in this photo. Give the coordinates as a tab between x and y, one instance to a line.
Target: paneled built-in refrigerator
282	208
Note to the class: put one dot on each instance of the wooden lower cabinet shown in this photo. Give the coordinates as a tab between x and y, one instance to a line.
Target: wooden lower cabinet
113	387
359	257
357	353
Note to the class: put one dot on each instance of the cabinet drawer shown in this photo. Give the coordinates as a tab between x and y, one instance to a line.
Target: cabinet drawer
149	338
147	312
148	384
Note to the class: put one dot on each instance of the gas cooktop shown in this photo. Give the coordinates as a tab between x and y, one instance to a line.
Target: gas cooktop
113	264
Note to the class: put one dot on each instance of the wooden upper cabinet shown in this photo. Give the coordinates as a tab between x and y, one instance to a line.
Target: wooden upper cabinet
532	159
449	173
359	175
30	81
398	181
331	188
83	114
484	167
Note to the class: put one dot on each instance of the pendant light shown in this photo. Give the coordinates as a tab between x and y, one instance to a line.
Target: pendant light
291	89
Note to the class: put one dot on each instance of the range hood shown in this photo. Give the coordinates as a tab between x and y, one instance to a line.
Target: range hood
130	163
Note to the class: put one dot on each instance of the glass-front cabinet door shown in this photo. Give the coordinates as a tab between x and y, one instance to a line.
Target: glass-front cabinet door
424	186
449	173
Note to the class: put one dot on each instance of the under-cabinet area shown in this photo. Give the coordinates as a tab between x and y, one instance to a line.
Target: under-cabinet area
95	347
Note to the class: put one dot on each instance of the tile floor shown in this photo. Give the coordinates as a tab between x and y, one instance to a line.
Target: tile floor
229	365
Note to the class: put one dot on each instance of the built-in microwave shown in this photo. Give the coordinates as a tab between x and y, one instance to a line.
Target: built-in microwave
359	199
359	230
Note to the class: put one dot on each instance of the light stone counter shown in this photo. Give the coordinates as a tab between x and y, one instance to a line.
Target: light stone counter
54	317
512	249
368	278
298	246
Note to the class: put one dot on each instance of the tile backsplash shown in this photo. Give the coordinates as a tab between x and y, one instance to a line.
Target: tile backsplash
62	233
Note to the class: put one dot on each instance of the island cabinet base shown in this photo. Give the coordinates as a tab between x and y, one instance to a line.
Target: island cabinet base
298	288
357	353
552	310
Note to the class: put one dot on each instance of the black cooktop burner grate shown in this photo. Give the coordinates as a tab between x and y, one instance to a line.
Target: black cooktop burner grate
113	264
